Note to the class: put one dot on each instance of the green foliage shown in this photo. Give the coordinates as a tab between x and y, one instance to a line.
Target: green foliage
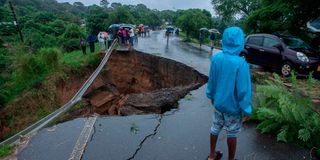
6	150
227	9
28	70
97	20
283	15
191	25
287	114
73	32
71	45
122	15
36	40
77	62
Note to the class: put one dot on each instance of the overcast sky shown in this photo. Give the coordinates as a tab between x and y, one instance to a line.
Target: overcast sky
157	4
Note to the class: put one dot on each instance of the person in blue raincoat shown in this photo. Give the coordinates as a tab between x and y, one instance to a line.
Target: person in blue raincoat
229	89
91	39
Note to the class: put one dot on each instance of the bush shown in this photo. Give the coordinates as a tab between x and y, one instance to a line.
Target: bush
288	114
73	32
71	45
50	57
28	70
36	40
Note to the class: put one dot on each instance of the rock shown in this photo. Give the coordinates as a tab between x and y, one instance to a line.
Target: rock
159	101
128	110
112	110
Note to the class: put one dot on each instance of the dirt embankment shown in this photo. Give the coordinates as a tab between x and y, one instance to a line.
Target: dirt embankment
131	83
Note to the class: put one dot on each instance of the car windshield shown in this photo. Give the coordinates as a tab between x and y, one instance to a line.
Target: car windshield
294	43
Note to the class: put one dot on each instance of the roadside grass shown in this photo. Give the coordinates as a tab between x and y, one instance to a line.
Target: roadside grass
6	150
77	62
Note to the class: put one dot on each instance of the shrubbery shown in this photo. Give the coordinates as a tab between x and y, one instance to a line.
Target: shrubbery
28	70
71	45
288	113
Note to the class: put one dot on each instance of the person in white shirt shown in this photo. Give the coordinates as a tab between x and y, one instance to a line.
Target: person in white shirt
131	33
101	39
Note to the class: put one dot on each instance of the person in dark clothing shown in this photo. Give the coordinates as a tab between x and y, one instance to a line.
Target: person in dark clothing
315	43
83	46
212	38
109	39
91	39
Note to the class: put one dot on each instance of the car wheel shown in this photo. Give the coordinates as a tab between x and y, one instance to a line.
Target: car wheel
286	69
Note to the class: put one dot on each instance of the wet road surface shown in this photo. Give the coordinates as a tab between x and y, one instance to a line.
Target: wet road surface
182	133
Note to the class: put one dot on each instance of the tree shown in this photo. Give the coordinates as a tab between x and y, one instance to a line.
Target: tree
192	20
122	15
104	3
97	20
228	9
283	15
168	16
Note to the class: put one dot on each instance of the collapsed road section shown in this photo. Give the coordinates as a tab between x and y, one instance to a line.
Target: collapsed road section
140	83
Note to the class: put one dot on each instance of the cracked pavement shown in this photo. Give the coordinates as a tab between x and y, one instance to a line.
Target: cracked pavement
146	138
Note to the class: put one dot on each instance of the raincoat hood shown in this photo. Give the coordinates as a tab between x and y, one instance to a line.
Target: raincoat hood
233	41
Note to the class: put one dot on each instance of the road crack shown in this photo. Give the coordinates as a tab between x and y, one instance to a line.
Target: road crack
155	131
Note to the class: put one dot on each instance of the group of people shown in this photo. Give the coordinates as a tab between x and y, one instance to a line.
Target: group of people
126	36
129	35
104	38
143	31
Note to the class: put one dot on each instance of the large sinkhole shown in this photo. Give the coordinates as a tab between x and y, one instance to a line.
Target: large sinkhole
139	83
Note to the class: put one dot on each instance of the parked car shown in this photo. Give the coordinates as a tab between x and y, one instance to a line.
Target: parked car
281	53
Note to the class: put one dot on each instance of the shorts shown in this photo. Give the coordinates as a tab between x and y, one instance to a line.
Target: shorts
231	123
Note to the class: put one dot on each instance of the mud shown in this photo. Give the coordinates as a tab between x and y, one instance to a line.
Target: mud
138	83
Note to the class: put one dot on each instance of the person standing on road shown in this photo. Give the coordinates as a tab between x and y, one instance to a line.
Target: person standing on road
120	36
229	89
143	31
212	38
136	32
132	35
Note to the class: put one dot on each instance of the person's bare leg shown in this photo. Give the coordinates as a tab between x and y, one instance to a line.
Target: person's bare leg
213	142
232	146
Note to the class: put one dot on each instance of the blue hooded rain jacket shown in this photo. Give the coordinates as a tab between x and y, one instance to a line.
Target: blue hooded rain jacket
229	85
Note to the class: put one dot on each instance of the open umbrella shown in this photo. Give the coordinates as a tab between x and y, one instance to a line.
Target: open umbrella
127	26
170	28
203	30
314	25
214	31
